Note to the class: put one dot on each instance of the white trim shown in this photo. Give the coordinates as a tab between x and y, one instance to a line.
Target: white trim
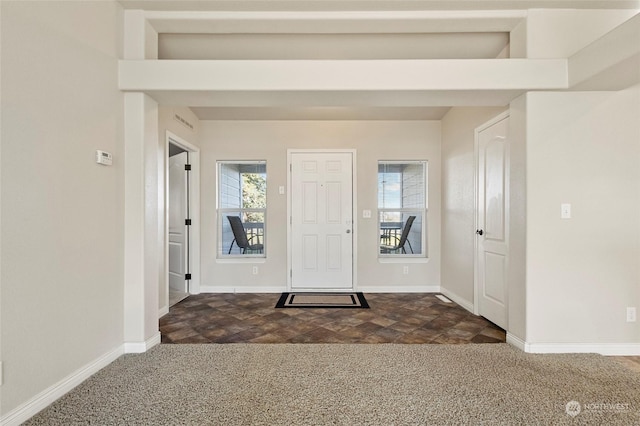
240	260
163	311
517	342
141	347
354	214
609	349
403	258
457	299
242	289
419	288
194	210
617	349
36	404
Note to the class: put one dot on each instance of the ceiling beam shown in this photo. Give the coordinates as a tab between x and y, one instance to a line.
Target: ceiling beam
343	75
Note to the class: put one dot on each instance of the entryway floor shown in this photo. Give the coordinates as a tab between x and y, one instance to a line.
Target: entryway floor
392	318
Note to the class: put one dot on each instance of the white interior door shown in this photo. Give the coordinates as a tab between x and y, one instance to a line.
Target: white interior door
492	221
178	231
321	221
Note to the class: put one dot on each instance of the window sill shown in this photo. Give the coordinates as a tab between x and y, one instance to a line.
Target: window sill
403	259
241	260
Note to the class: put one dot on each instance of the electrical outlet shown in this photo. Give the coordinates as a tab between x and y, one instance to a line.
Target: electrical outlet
631	314
255	270
405	270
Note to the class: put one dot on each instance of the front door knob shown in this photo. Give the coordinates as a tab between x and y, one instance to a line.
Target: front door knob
479	232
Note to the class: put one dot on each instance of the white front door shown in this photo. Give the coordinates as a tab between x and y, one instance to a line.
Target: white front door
178	231
492	222
322	221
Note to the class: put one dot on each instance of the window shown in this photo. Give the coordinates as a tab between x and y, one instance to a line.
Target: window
242	208
402	208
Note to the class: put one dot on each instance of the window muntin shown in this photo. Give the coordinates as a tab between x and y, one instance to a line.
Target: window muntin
242	192
402	194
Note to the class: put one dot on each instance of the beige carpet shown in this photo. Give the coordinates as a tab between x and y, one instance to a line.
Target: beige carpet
319	384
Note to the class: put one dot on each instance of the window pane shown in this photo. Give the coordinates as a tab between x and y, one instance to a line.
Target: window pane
403	236
389	186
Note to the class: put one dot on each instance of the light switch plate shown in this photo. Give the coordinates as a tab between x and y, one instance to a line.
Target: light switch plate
366	214
565	211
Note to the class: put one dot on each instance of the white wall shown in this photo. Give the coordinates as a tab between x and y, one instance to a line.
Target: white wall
269	140
517	287
62	214
143	253
584	149
458	199
168	122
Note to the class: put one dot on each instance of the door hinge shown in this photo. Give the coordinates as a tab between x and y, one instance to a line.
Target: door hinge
187	222
187	167
187	276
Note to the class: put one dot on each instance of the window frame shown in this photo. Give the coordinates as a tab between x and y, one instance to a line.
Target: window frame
420	212
222	212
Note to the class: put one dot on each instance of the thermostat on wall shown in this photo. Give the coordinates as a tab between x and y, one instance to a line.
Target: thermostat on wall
103	157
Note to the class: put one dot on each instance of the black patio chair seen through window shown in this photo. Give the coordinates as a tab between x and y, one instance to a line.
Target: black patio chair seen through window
386	249
240	237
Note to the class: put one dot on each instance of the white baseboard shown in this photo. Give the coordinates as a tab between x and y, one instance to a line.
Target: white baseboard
517	342
241	289
163	311
399	289
459	300
141	347
611	349
49	395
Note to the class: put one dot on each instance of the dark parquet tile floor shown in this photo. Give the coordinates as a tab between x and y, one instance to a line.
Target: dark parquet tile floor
392	318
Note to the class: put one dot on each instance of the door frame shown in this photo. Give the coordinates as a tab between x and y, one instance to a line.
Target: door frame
354	204
185	214
476	282
194	210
